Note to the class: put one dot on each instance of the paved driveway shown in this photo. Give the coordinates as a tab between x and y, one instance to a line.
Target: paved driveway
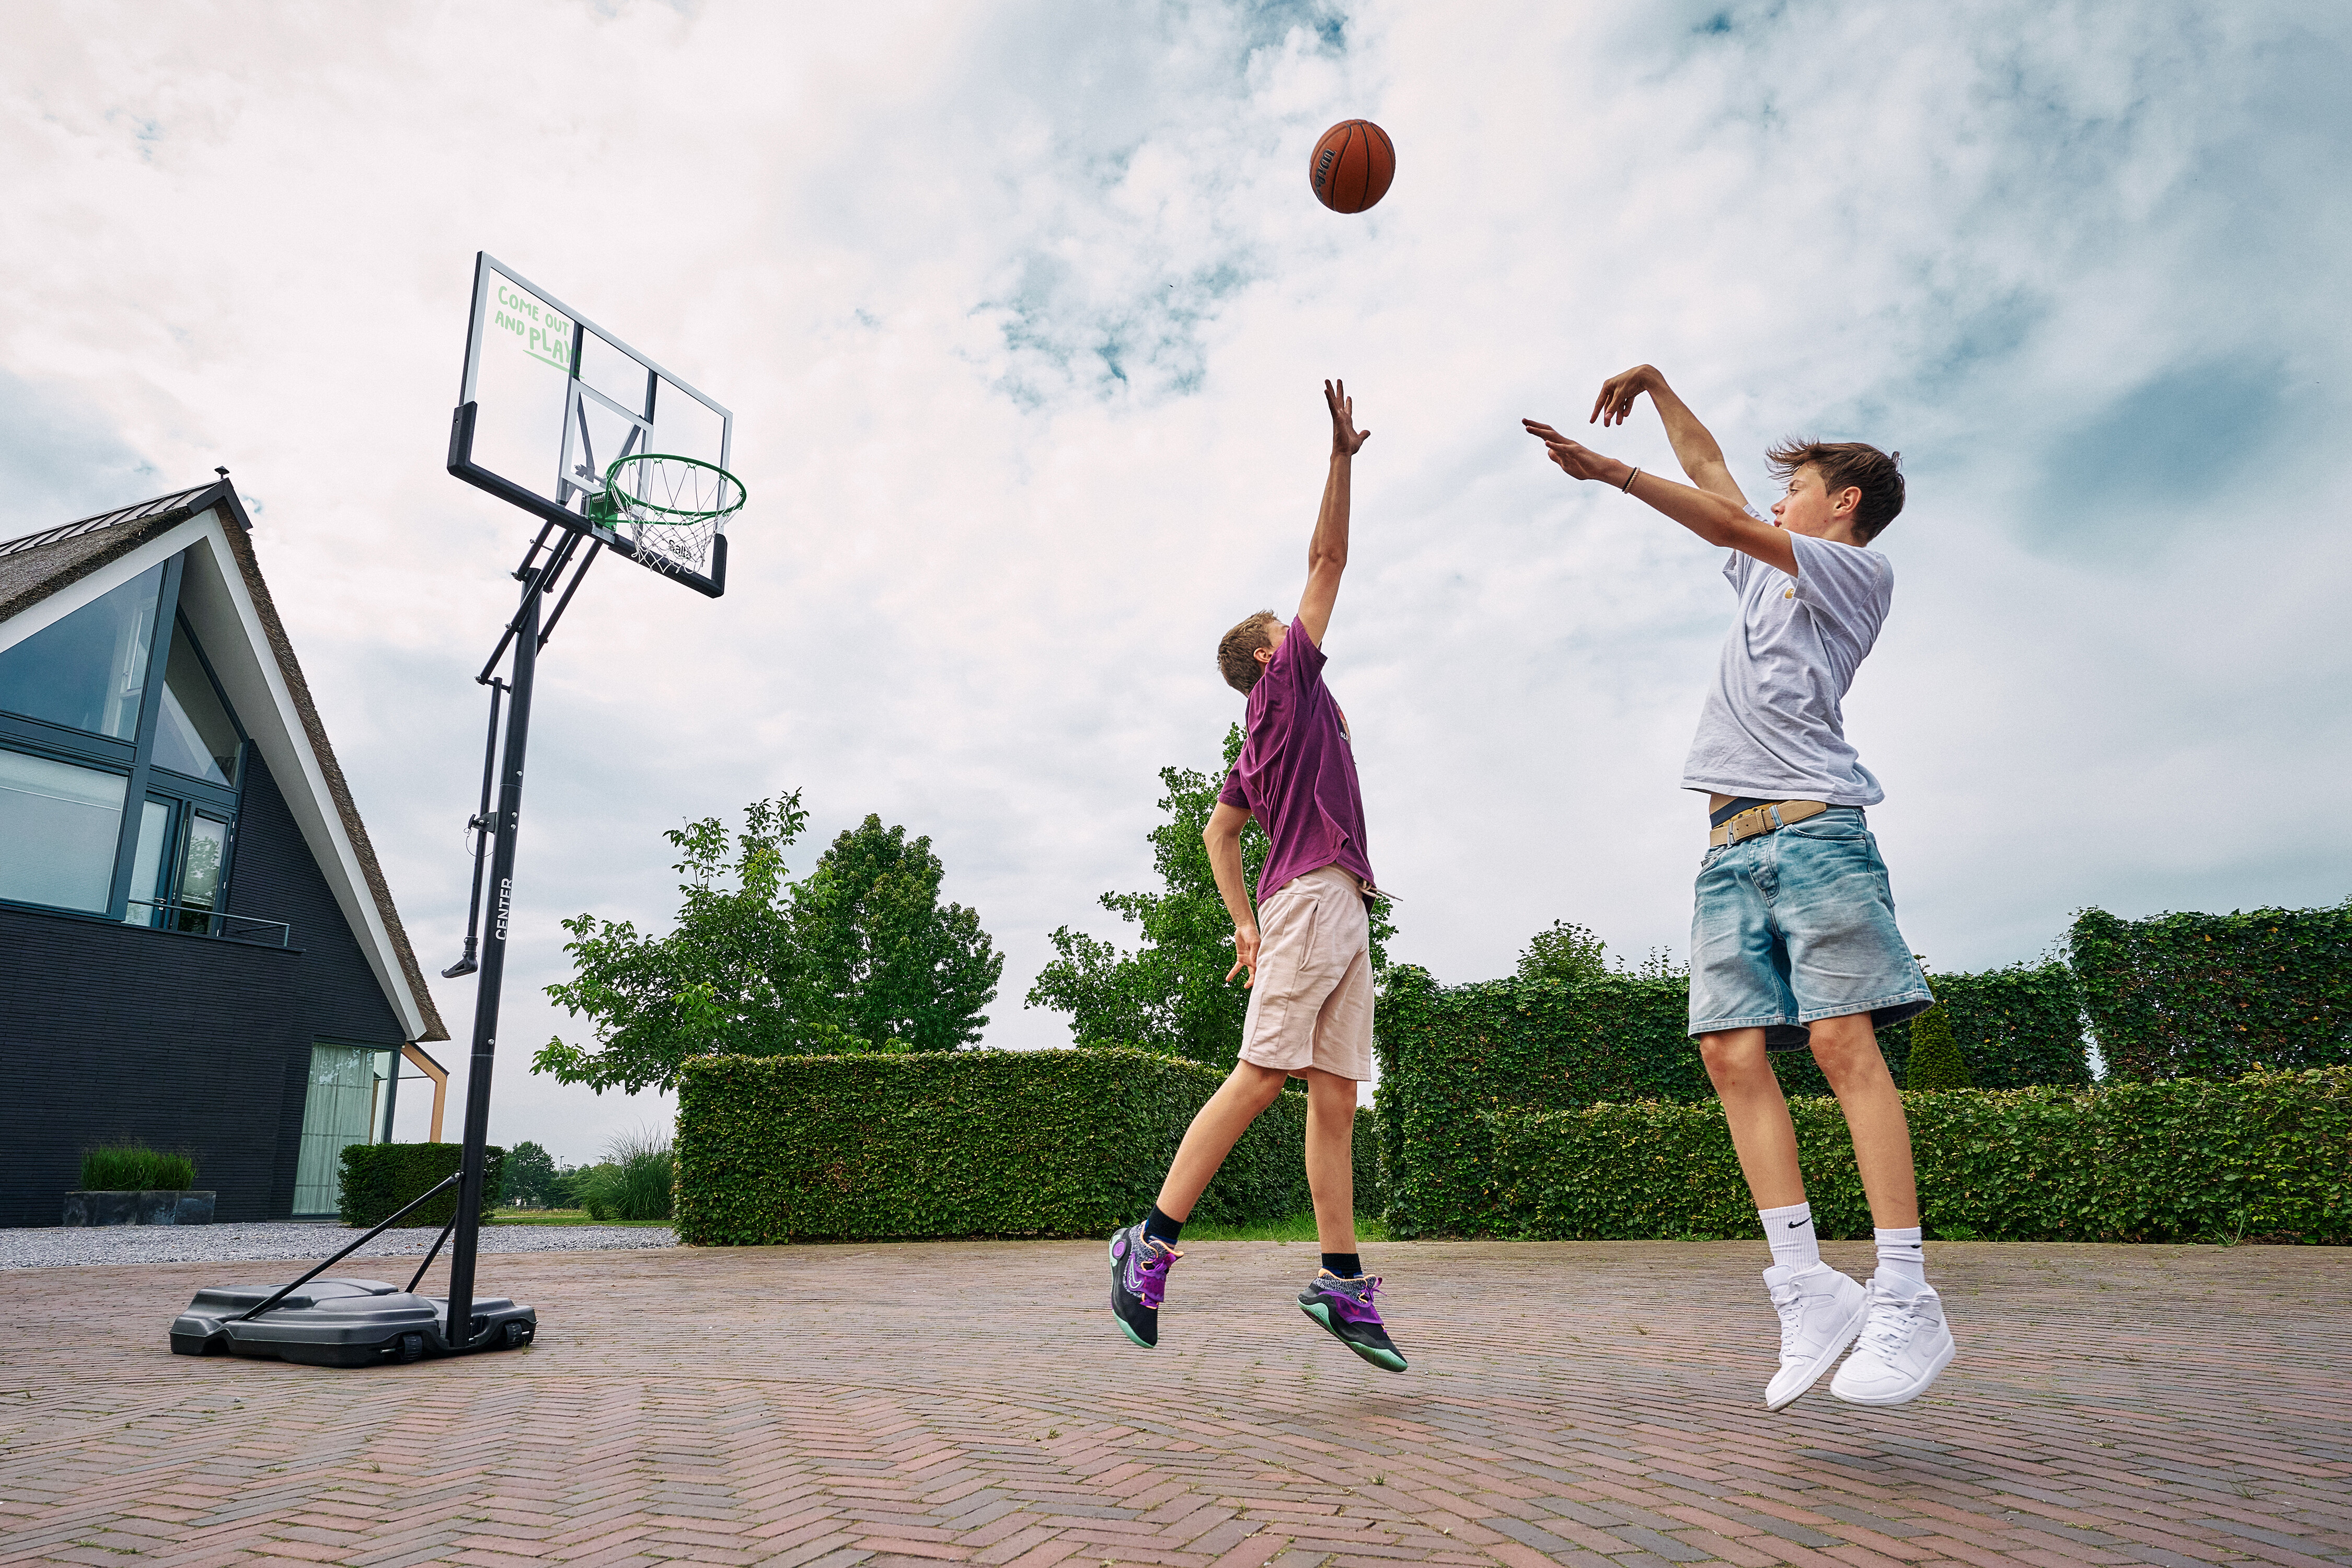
972	1403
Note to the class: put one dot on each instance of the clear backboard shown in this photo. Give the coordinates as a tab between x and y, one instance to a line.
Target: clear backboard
551	401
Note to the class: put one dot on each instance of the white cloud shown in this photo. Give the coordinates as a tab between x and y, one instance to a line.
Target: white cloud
1023	311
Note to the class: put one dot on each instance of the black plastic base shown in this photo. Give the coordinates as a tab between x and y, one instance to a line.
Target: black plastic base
345	1322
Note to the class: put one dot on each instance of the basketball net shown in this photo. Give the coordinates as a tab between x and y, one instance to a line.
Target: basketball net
669	507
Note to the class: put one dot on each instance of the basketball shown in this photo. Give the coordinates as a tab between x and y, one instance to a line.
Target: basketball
1352	166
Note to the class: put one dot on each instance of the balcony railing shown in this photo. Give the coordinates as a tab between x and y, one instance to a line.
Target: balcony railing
199	920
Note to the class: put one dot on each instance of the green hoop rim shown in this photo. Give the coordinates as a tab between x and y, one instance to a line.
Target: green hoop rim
671	516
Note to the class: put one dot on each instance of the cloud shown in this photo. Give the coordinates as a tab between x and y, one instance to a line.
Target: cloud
63	459
1024	312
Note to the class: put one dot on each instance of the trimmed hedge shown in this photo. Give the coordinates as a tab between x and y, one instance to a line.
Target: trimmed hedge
964	1144
2267	1157
2198	996
1450	1053
380	1177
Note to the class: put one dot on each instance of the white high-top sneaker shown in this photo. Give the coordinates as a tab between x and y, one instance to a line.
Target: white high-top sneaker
1821	1311
1904	1343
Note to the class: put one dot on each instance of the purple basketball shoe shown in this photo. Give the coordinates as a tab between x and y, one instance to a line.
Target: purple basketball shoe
1345	1307
1139	1282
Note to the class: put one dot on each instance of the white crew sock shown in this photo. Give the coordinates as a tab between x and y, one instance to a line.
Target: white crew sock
1901	1257
1790	1233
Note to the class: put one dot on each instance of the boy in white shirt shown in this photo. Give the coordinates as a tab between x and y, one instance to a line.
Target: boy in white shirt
1793	940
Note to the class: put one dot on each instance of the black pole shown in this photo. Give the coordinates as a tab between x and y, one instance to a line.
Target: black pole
467	963
457	1325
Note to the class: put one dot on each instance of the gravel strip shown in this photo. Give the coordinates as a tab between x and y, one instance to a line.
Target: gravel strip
59	1247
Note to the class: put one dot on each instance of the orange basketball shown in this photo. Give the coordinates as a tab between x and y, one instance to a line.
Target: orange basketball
1352	166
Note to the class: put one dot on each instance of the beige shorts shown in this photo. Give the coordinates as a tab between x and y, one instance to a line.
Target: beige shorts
1311	1005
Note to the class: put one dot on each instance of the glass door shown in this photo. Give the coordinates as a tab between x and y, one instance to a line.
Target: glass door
346	1104
176	869
202	862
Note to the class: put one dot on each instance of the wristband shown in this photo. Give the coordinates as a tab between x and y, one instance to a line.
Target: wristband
1627	488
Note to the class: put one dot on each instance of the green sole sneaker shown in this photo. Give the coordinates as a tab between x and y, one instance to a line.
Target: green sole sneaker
1343	1309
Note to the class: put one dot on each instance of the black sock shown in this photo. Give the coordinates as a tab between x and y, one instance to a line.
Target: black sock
1346	1264
1157	1227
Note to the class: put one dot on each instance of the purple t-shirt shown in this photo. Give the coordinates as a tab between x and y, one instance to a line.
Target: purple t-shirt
1298	771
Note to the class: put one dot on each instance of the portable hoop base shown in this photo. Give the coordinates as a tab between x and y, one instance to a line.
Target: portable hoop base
345	1322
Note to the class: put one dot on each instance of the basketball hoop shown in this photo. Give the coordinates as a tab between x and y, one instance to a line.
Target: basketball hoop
667	508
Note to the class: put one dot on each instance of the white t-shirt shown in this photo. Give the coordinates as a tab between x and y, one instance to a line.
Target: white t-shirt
1773	727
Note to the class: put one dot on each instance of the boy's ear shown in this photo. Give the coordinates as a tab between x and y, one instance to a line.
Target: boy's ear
1263	655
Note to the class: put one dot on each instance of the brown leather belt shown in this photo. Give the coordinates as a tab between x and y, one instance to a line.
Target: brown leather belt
1769	817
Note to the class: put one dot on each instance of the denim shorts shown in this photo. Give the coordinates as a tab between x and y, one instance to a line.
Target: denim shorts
1798	925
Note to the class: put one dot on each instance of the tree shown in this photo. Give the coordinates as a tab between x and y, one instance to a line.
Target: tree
881	960
1171	995
857	956
527	1176
1566	951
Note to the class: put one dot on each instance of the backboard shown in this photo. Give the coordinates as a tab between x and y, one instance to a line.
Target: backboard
550	400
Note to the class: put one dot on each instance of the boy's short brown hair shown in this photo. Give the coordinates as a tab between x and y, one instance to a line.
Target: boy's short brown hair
1238	650
1849	464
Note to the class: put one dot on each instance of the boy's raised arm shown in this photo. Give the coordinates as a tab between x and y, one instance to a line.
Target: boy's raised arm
1327	553
1695	447
1718	519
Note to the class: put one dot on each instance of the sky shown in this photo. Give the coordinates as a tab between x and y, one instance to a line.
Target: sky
1024	310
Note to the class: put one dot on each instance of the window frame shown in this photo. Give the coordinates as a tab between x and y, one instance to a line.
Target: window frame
133	761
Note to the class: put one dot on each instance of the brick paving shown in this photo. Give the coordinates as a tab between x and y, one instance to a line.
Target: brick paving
972	1404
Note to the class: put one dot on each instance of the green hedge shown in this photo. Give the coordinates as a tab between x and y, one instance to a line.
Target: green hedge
1063	1142
1450	1053
380	1177
1365	1145
2267	1157
2197	995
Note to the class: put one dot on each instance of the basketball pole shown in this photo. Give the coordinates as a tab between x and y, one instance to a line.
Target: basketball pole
457	1324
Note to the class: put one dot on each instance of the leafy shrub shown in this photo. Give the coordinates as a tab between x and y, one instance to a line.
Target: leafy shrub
1061	1142
380	1177
135	1168
1936	1058
633	1181
2268	1156
2197	995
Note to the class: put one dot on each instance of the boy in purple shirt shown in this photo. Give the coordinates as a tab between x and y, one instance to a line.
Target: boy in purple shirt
1306	950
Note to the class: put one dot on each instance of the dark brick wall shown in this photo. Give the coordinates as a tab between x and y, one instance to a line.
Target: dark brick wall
187	1043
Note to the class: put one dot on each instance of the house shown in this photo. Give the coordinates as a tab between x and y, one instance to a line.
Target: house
197	948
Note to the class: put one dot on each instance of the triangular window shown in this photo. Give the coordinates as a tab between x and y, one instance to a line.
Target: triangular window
194	732
89	671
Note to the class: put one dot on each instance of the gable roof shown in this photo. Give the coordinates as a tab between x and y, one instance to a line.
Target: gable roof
48	575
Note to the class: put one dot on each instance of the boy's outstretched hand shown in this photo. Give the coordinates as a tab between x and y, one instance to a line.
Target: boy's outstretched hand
1576	460
1345	437
1615	404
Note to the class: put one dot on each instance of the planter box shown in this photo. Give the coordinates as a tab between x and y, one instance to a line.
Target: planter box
194	1206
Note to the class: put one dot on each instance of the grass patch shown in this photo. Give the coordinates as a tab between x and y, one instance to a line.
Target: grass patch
563	1217
1297	1228
133	1168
